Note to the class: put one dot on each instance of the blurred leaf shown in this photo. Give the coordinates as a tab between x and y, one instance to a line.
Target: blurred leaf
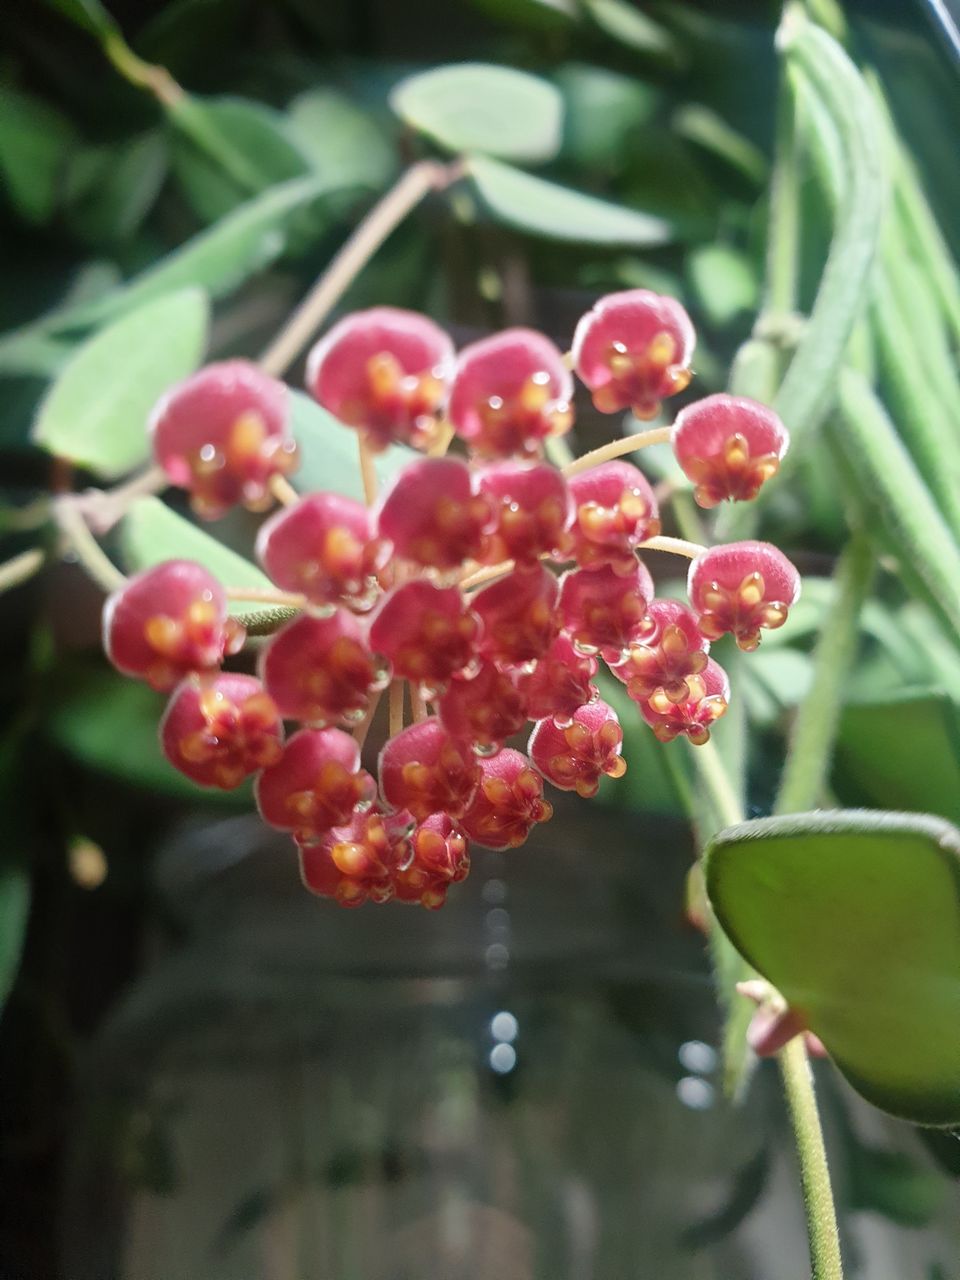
341	142
110	190
603	109
542	208
890	1183
32	353
218	259
703	126
151	532
622	22
881	474
329	456
110	723
536	14
855	917
228	149
724	282
774	679
35	141
96	412
903	751
89	14
476	106
747	1186
14	873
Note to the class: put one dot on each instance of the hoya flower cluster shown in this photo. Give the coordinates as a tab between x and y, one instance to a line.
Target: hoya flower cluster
484	587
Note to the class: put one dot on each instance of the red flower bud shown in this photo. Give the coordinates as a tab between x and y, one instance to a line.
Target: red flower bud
604	610
728	446
674	650
559	684
220	729
615	511
742	587
509	392
633	350
384	371
432	516
485	709
425	770
519	615
576	757
321	670
317	784
509	802
325	548
426	632
708	695
167	622
438	856
532	509
222	434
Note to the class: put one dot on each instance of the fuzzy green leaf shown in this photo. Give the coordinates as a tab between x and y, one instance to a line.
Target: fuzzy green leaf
543	208
475	106
854	916
95	414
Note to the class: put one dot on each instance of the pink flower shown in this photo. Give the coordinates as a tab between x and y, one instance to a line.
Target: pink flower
674	650
508	803
384	371
316	784
741	587
485	709
576	757
426	632
425	770
438	857
321	671
519	616
223	434
614	511
432	515
728	446
532	511
708	695
602	610
218	730
634	350
509	393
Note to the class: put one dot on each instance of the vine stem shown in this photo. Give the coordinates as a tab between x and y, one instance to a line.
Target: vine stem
814	1173
283	491
617	449
385	216
88	551
267	595
675	546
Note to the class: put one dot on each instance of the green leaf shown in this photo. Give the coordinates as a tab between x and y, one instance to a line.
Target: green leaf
110	190
475	106
218	259
329	457
151	532
702	126
603	111
883	477
228	149
110	724
95	414
889	1182
14	860
35	141
854	916
724	282
343	144
903	750
624	23
542	208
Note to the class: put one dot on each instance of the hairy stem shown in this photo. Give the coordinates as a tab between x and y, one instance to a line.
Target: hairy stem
814	1174
385	216
617	449
267	595
676	546
86	548
283	491
367	472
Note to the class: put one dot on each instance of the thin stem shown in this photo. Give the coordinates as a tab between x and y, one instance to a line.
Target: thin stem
143	75
617	449
283	491
559	451
814	730
442	441
368	473
783	234
86	548
721	793
814	1174
267	595
676	546
20	568
396	707
385	216
481	576
103	508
